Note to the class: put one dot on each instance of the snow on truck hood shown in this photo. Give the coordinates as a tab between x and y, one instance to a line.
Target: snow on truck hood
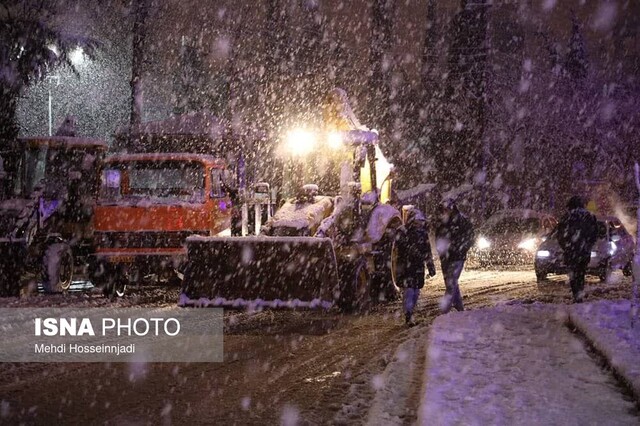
299	216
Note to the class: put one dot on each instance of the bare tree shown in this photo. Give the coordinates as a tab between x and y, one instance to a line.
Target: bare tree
383	12
140	13
31	47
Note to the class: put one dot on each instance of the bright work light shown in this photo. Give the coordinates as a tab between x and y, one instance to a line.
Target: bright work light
334	140
300	142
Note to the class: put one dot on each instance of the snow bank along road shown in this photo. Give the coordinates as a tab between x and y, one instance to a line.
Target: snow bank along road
517	365
306	367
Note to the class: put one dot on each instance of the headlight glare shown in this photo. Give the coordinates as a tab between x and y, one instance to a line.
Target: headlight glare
528	244
483	243
300	142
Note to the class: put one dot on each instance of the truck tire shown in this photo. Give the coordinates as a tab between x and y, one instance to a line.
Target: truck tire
114	286
111	280
355	281
384	282
57	268
627	271
541	276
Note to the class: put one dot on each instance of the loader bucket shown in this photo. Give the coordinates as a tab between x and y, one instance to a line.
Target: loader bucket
260	272
12	255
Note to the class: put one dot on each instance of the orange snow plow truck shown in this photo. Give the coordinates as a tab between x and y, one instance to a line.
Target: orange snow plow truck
149	203
331	243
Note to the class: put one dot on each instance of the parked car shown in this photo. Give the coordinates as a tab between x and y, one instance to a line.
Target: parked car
614	249
510	237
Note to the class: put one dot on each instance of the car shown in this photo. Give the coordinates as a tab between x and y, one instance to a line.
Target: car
614	249
510	237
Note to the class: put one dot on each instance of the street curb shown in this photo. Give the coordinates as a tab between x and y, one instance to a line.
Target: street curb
611	349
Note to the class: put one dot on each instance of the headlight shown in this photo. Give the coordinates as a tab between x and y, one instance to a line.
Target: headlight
529	244
612	248
594	254
483	243
543	253
300	142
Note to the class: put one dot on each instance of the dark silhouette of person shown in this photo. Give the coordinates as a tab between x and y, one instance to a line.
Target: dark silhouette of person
454	238
414	254
577	233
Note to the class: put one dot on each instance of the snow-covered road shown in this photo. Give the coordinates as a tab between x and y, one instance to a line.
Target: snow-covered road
315	367
517	365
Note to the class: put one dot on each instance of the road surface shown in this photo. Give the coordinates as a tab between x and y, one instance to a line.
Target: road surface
280	366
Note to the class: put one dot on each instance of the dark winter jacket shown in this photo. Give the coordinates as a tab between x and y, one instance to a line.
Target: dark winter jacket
577	233
454	237
414	253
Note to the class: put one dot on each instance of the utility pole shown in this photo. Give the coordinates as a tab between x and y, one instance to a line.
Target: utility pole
51	78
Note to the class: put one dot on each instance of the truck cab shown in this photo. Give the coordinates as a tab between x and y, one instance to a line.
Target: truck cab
48	187
147	206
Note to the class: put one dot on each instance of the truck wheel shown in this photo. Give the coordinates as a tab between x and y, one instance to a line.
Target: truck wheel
113	282
384	281
114	288
58	268
627	271
356	284
120	288
174	279
541	276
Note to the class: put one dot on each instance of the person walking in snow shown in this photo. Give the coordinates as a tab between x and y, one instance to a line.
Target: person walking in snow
414	253
577	233
454	238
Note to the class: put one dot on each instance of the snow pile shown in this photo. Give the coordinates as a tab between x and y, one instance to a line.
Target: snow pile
381	216
302	215
341	206
607	324
515	365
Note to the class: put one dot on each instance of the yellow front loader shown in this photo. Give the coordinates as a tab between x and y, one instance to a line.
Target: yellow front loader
331	243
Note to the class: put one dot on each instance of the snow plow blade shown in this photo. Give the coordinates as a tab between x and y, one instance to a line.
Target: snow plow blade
260	272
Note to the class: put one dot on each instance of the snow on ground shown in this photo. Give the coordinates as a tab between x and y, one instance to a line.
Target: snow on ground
516	365
394	386
607	324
